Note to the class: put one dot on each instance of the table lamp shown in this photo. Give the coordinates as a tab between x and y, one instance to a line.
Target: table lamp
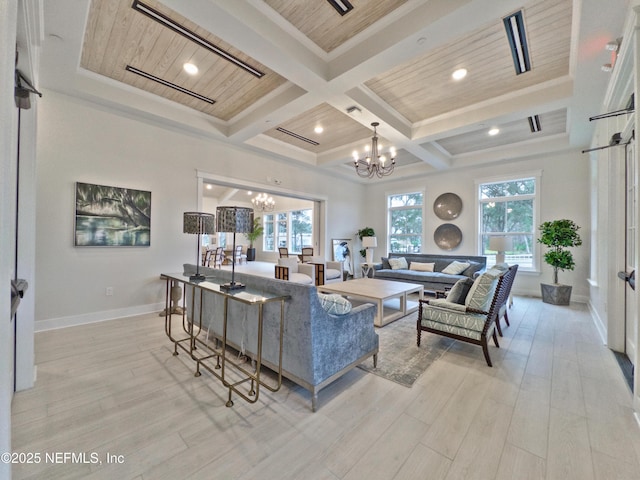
500	245
369	243
236	220
199	223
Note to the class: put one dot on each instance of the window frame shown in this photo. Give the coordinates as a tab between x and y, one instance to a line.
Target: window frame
536	175
406	207
276	221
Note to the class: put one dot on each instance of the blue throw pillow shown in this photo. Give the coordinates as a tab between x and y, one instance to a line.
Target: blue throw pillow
460	290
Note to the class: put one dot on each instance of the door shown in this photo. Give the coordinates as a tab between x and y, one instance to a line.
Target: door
631	310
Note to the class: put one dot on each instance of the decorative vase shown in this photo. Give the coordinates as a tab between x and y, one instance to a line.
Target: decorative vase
251	254
556	294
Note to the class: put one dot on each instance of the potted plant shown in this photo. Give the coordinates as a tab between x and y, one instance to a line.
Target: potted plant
558	235
255	233
365	232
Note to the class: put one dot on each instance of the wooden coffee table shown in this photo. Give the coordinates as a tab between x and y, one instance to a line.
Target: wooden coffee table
380	292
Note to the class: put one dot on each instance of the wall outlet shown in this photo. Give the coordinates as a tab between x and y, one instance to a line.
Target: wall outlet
108	291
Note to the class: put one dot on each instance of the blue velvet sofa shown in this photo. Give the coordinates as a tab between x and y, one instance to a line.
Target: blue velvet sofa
435	280
318	347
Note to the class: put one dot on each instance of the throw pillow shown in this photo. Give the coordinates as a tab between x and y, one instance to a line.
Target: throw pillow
459	291
421	267
399	263
456	268
472	269
385	263
481	293
334	303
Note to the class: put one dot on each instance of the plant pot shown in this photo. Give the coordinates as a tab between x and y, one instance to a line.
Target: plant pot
556	294
251	254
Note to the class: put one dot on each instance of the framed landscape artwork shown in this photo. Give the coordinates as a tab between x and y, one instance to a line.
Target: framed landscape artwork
343	252
112	216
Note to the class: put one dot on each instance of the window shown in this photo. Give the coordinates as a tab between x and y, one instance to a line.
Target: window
268	236
292	230
281	230
405	222
300	230
509	209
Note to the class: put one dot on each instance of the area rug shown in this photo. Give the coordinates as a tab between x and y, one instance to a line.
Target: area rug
399	358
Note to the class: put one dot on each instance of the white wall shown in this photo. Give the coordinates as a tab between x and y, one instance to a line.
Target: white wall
80	142
564	193
8	19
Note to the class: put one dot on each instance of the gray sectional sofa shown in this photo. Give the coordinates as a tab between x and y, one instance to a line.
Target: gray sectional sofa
435	280
318	347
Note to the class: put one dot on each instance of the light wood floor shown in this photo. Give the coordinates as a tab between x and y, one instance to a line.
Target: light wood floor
555	406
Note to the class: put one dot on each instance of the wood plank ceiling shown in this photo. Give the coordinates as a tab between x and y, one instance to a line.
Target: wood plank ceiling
117	36
415	91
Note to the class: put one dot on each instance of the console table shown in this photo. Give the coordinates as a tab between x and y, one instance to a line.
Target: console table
190	338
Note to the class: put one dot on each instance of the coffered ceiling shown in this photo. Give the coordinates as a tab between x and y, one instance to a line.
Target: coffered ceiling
270	72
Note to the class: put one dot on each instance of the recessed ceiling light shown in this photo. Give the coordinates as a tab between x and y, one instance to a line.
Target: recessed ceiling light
209	186
249	192
494	131
459	74
190	68
318	129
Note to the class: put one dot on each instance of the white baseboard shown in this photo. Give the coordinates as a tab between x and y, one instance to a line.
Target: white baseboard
536	294
63	322
599	324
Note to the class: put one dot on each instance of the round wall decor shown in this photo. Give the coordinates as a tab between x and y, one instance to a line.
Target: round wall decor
447	236
447	206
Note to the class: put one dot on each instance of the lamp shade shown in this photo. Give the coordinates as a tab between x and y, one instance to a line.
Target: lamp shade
235	219
500	244
369	242
199	223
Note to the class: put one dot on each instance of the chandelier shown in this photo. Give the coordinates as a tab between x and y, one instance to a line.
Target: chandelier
263	203
374	163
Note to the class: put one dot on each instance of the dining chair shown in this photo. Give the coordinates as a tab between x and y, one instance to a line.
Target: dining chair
239	257
207	258
284	252
307	252
219	257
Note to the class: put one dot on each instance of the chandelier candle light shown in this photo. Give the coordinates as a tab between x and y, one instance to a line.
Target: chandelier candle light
199	223
236	220
374	163
263	203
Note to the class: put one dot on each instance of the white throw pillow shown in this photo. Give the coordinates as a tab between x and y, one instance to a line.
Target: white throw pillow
456	268
399	263
334	303
422	267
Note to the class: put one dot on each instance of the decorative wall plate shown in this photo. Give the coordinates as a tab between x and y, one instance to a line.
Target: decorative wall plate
447	236
447	206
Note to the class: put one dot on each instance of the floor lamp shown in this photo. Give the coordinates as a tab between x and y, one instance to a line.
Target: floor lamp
234	220
199	223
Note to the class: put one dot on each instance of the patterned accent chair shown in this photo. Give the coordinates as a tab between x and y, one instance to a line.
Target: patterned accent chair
509	277
475	320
